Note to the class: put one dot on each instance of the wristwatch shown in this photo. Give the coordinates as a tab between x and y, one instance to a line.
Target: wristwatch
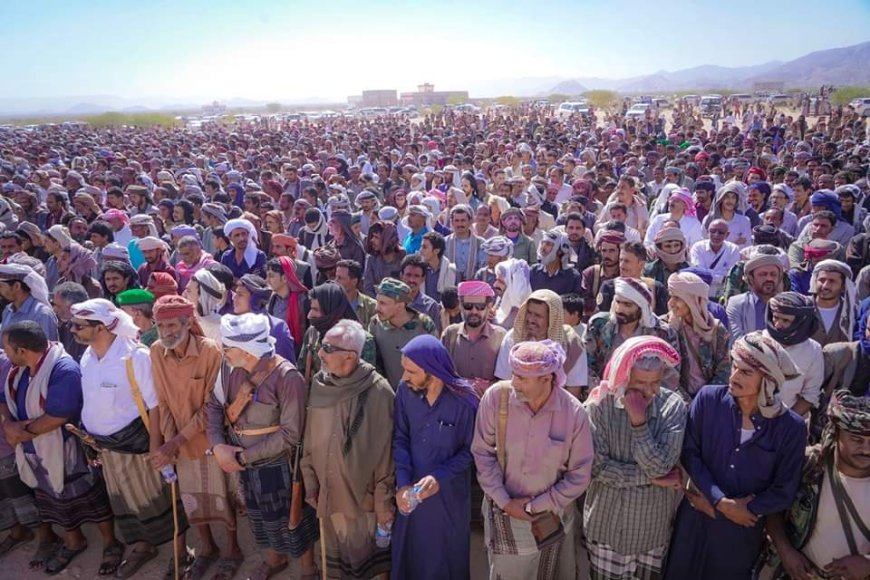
528	508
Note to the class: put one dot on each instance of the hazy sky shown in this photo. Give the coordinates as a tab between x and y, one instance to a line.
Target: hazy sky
288	49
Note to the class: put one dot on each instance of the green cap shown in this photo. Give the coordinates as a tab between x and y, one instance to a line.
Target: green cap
135	296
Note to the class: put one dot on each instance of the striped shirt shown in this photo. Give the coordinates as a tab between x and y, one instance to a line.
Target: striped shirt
623	509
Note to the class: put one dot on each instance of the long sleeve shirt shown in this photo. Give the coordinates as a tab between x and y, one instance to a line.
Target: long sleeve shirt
623	509
549	453
767	466
278	400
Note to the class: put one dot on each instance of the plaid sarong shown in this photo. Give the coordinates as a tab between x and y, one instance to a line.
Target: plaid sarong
606	564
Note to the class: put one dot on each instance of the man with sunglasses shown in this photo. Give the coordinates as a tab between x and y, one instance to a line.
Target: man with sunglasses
349	472
474	343
716	254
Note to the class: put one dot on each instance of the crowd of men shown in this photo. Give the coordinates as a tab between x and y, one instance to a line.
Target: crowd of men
638	347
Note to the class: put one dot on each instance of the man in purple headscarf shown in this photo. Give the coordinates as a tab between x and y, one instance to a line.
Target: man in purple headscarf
434	426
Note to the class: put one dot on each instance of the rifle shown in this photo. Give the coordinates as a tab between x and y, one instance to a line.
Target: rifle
296	492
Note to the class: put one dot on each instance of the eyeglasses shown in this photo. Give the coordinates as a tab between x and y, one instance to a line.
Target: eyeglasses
718	232
79	325
331	348
480	307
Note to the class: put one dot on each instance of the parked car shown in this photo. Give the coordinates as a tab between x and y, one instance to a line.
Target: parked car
637	111
567	109
710	105
861	106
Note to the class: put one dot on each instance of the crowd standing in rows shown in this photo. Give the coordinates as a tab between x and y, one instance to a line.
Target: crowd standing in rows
639	342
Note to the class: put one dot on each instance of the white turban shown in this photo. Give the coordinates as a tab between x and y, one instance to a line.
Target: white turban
60	234
101	310
633	290
253	241
248	332
26	274
212	294
515	274
847	312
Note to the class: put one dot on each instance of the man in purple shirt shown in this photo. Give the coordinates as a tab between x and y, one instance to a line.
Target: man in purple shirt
533	451
743	451
245	258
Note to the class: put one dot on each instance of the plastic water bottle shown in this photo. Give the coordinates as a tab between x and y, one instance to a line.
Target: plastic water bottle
412	497
168	473
383	535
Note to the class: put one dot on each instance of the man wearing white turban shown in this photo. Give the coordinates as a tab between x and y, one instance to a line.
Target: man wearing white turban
246	258
27	294
117	394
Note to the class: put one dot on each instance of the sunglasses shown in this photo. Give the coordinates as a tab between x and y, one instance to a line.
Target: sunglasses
479	307
79	325
331	348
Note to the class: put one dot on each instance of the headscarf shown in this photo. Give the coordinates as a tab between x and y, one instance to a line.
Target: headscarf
829	200
818	249
182	230
296	288
694	292
671	259
556	322
151	243
326	257
115	251
389	238
249	332
145	220
515	274
605	236
259	289
251	249
429	354
318	228
759	260
498	246
539	359
216	211
802	308
850	413
113	318
60	234
847	312
760	352
162	284
475	288
343	219
617	373
29	276
685	196
638	292
212	294
32	232
560	244
81	263
334	306
174	306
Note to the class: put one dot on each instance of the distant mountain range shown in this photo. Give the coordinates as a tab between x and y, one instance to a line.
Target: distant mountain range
837	66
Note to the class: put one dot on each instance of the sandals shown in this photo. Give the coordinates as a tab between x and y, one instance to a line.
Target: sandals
62	559
227	568
135	561
44	553
113	555
200	564
10	543
264	571
183	566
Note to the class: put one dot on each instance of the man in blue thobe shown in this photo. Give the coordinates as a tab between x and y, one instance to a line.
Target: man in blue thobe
434	426
744	451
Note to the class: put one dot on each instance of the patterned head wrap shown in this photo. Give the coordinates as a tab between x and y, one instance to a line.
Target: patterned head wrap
685	196
249	332
817	250
29	276
761	352
560	244
113	318
475	288
609	237
216	211
60	234
172	306
847	312
212	294
802	308
162	284
556	326
498	246
638	292
850	413
539	359
617	373
395	289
